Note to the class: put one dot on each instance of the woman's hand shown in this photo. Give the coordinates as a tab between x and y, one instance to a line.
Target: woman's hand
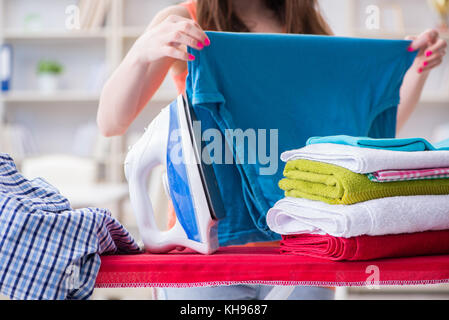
169	38
431	52
431	48
145	67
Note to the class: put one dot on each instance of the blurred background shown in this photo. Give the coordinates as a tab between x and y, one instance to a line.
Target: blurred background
55	56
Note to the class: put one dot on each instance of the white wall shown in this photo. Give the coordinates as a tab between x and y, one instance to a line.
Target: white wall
336	14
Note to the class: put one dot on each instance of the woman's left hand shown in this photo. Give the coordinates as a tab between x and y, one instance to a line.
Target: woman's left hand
431	48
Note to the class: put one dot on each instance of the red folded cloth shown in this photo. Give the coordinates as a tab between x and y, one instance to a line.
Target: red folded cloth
366	247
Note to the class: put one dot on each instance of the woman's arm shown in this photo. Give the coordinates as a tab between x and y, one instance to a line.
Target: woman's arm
431	52
145	66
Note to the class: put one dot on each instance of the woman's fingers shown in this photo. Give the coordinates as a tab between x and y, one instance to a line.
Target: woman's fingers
438	47
430	65
176	32
189	27
189	34
178	38
192	29
434	55
425	39
177	53
431	48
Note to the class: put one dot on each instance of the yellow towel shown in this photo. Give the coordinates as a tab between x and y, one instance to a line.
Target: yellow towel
336	185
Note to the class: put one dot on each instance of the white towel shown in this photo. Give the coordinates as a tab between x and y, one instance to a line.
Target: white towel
366	160
392	215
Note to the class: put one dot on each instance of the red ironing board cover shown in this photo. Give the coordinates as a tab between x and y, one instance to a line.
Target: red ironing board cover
235	265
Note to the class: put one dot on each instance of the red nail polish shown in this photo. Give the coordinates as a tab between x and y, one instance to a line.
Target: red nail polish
410	49
206	42
191	57
419	70
200	45
425	63
428	53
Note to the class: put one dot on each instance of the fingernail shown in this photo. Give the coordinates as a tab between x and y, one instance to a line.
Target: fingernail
200	45
425	63
191	57
206	42
410	49
419	70
428	53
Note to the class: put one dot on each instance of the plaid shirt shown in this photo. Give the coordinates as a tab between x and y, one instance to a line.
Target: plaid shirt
48	250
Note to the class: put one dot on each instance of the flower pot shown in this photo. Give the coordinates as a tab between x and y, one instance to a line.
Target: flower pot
48	82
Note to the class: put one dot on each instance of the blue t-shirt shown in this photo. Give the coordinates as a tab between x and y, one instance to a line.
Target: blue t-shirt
301	85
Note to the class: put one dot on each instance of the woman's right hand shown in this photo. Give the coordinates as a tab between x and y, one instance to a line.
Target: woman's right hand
145	67
169	38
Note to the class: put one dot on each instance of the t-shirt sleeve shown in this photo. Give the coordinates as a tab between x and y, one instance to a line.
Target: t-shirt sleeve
202	85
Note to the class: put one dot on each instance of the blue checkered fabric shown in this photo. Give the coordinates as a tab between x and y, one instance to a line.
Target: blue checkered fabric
48	250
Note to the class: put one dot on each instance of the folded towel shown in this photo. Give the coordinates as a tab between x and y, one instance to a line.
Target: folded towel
408	175
392	215
336	185
365	160
409	144
442	145
367	247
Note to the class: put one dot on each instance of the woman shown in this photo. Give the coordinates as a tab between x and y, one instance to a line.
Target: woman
162	48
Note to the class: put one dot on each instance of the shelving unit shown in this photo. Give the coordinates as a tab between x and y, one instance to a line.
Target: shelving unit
114	39
113	35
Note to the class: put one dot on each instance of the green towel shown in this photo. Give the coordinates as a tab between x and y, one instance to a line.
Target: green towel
336	185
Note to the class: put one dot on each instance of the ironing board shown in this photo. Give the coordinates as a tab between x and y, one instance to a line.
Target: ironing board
235	265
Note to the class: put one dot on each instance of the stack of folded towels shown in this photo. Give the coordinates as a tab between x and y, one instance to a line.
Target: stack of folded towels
352	198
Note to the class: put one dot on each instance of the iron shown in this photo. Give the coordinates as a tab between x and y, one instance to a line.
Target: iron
170	141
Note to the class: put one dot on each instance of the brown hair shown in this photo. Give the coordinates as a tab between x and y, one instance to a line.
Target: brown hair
297	16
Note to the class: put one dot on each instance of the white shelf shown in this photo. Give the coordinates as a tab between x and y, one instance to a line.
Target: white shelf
70	96
60	96
392	35
11	34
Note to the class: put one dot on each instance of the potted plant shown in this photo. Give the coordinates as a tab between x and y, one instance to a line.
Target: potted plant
48	75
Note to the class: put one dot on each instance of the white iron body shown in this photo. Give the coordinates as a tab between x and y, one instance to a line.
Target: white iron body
196	226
